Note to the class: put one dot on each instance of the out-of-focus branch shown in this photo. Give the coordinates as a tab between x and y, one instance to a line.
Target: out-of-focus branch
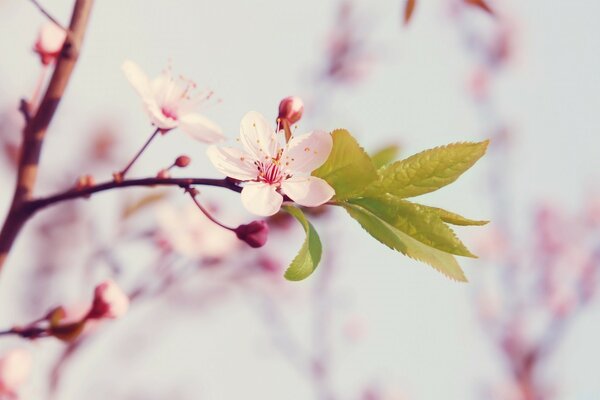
35	130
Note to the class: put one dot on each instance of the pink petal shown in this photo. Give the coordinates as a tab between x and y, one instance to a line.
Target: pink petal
201	128
307	152
308	191
232	162
158	118
261	198
257	136
138	79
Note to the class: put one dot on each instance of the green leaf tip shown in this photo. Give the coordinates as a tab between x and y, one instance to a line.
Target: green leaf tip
309	256
428	170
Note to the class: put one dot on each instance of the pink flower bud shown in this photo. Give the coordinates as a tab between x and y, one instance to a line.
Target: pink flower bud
15	367
183	161
109	301
255	233
291	109
49	42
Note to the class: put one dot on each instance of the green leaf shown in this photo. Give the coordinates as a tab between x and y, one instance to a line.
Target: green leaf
427	171
416	221
310	253
397	240
349	169
455	219
385	156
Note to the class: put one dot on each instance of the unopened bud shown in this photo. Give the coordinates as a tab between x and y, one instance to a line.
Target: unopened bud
84	182
109	301
49	42
290	109
183	161
254	234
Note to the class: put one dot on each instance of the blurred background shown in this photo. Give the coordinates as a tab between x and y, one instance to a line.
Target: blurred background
211	319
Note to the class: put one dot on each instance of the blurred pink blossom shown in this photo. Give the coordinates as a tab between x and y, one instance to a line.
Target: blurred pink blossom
188	232
109	301
15	367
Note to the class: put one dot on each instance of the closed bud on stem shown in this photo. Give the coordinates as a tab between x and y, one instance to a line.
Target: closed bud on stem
109	301
50	42
254	234
183	161
291	109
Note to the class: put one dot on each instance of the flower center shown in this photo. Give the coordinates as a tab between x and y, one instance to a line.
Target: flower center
269	172
169	113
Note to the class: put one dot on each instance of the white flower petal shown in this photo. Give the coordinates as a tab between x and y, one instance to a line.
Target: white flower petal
307	152
138	79
261	198
162	86
51	38
308	191
257	136
200	128
232	162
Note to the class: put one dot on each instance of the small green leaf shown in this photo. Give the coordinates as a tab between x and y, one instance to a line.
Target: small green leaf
385	156
349	169
455	219
310	253
416	221
427	171
397	240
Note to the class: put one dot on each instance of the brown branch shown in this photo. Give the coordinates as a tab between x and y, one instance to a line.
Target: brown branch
35	130
32	206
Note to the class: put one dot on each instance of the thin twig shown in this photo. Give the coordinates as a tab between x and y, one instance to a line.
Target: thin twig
121	175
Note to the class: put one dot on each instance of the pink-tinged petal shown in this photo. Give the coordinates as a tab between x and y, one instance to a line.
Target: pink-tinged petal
51	38
257	136
308	191
201	128
307	152
162	86
158	118
232	162
261	198
138	79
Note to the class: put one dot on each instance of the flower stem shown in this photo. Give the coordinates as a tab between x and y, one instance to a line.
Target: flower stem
192	193
121	174
35	97
286	129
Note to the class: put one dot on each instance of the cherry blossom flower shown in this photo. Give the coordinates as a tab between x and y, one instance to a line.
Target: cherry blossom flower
170	103
50	42
109	301
15	367
270	170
